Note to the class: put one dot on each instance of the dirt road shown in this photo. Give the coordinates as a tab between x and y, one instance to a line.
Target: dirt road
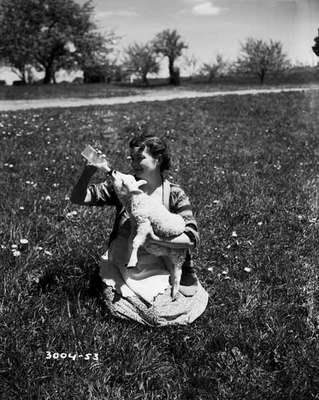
163	95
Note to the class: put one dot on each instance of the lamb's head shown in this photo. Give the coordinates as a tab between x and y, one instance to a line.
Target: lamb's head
126	185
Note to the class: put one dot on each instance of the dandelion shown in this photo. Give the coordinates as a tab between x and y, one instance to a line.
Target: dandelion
14	246
247	269
259	223
210	269
3	247
234	234
16	253
67	198
23	244
48	198
10	165
71	214
225	272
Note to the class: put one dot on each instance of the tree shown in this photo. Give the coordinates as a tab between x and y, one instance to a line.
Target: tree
141	60
315	48
260	58
190	64
169	44
49	35
214	68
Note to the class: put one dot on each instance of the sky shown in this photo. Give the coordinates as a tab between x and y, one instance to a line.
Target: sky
212	27
216	26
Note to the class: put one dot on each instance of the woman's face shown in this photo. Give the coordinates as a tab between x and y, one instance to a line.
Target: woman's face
143	162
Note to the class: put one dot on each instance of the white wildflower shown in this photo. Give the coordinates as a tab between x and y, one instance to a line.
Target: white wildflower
71	214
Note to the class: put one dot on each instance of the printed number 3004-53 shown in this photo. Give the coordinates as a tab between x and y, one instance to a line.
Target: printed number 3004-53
64	356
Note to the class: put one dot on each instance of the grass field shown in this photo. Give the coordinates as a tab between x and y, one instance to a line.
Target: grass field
250	166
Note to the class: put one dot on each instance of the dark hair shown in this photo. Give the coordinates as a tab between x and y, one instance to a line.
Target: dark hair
157	147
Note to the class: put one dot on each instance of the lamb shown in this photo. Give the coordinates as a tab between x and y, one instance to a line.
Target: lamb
150	218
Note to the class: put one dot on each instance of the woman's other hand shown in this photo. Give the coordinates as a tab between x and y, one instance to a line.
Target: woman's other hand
179	242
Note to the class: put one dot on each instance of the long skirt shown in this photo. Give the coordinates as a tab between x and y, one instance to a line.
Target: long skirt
143	293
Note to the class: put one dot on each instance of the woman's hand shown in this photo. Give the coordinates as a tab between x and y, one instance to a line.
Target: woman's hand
95	158
179	242
99	162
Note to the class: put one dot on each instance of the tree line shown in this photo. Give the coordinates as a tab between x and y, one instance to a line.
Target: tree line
50	35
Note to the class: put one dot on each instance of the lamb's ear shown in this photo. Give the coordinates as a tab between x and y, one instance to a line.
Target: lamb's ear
136	191
141	182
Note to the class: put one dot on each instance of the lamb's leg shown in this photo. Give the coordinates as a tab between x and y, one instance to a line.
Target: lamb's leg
142	231
175	270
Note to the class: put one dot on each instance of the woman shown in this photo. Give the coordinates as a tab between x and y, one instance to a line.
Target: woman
143	293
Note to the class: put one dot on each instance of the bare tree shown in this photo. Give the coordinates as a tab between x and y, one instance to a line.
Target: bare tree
191	64
169	44
141	60
261	58
215	68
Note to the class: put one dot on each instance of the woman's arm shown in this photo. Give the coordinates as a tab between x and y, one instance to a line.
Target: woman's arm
180	204
179	242
96	194
80	193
